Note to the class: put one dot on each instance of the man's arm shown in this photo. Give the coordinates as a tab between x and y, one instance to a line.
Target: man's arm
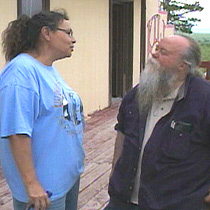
118	148
21	150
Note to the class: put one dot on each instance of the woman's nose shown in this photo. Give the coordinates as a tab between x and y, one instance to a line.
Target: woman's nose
73	40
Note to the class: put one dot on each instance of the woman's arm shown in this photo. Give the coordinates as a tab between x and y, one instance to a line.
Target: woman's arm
22	153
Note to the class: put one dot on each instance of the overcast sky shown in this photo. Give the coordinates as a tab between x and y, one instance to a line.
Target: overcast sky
204	25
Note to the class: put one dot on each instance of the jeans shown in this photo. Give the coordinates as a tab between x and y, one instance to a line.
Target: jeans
67	202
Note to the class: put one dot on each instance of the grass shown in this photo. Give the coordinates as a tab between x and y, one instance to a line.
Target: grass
204	42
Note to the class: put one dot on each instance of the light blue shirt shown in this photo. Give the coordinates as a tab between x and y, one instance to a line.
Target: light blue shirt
35	100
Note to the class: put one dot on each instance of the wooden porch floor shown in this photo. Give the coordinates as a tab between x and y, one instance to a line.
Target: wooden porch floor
99	138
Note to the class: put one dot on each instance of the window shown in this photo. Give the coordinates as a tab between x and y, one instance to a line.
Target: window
30	7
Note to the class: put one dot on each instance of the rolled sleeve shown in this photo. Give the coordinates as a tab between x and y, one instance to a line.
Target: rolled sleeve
120	119
18	109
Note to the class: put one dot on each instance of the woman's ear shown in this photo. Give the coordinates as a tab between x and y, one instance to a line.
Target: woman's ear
45	32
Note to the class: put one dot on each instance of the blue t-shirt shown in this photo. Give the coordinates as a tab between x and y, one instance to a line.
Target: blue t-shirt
35	100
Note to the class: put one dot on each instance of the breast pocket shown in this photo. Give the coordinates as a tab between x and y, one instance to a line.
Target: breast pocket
177	140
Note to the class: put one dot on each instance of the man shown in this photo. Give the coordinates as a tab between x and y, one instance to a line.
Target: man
162	151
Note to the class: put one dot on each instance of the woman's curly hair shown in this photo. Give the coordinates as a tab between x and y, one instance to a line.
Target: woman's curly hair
22	34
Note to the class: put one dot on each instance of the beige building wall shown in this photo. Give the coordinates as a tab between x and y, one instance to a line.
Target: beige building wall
8	11
87	71
169	30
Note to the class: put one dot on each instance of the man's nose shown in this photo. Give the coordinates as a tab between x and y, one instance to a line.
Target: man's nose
155	54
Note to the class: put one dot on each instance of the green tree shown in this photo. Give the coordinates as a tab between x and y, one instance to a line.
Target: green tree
177	14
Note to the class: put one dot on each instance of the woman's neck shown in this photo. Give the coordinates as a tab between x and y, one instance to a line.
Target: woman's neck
41	57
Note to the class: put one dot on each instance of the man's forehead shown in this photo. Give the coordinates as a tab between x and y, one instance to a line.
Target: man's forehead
174	43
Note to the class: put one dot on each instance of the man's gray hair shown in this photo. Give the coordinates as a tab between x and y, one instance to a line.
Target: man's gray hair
192	55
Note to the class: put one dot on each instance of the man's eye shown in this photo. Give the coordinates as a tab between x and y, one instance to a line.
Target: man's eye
163	52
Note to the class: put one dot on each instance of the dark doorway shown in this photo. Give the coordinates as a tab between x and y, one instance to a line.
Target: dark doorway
121	47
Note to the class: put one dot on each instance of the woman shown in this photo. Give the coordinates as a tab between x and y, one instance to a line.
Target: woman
41	120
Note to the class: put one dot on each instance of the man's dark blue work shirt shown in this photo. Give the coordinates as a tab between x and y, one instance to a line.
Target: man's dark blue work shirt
175	171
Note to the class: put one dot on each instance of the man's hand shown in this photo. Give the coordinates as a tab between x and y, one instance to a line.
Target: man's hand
118	147
207	200
38	198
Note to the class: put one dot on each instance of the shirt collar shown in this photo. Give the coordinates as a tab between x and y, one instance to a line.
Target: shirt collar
172	95
183	89
180	92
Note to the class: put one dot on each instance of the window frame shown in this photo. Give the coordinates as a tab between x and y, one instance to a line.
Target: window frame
45	6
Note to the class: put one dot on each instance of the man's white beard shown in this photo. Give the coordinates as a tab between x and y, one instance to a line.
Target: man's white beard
155	84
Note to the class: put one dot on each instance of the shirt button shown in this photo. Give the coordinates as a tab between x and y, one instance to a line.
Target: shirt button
134	169
130	187
180	134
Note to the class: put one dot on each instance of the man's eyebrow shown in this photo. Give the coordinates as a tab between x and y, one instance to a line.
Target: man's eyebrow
159	47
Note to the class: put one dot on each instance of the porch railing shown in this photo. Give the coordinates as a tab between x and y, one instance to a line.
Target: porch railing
206	65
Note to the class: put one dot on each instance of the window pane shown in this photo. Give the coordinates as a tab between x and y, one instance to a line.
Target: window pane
30	7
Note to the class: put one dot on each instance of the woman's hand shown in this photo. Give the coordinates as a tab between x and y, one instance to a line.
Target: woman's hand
38	198
22	153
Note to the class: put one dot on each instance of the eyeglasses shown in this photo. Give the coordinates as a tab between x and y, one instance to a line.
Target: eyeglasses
68	32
